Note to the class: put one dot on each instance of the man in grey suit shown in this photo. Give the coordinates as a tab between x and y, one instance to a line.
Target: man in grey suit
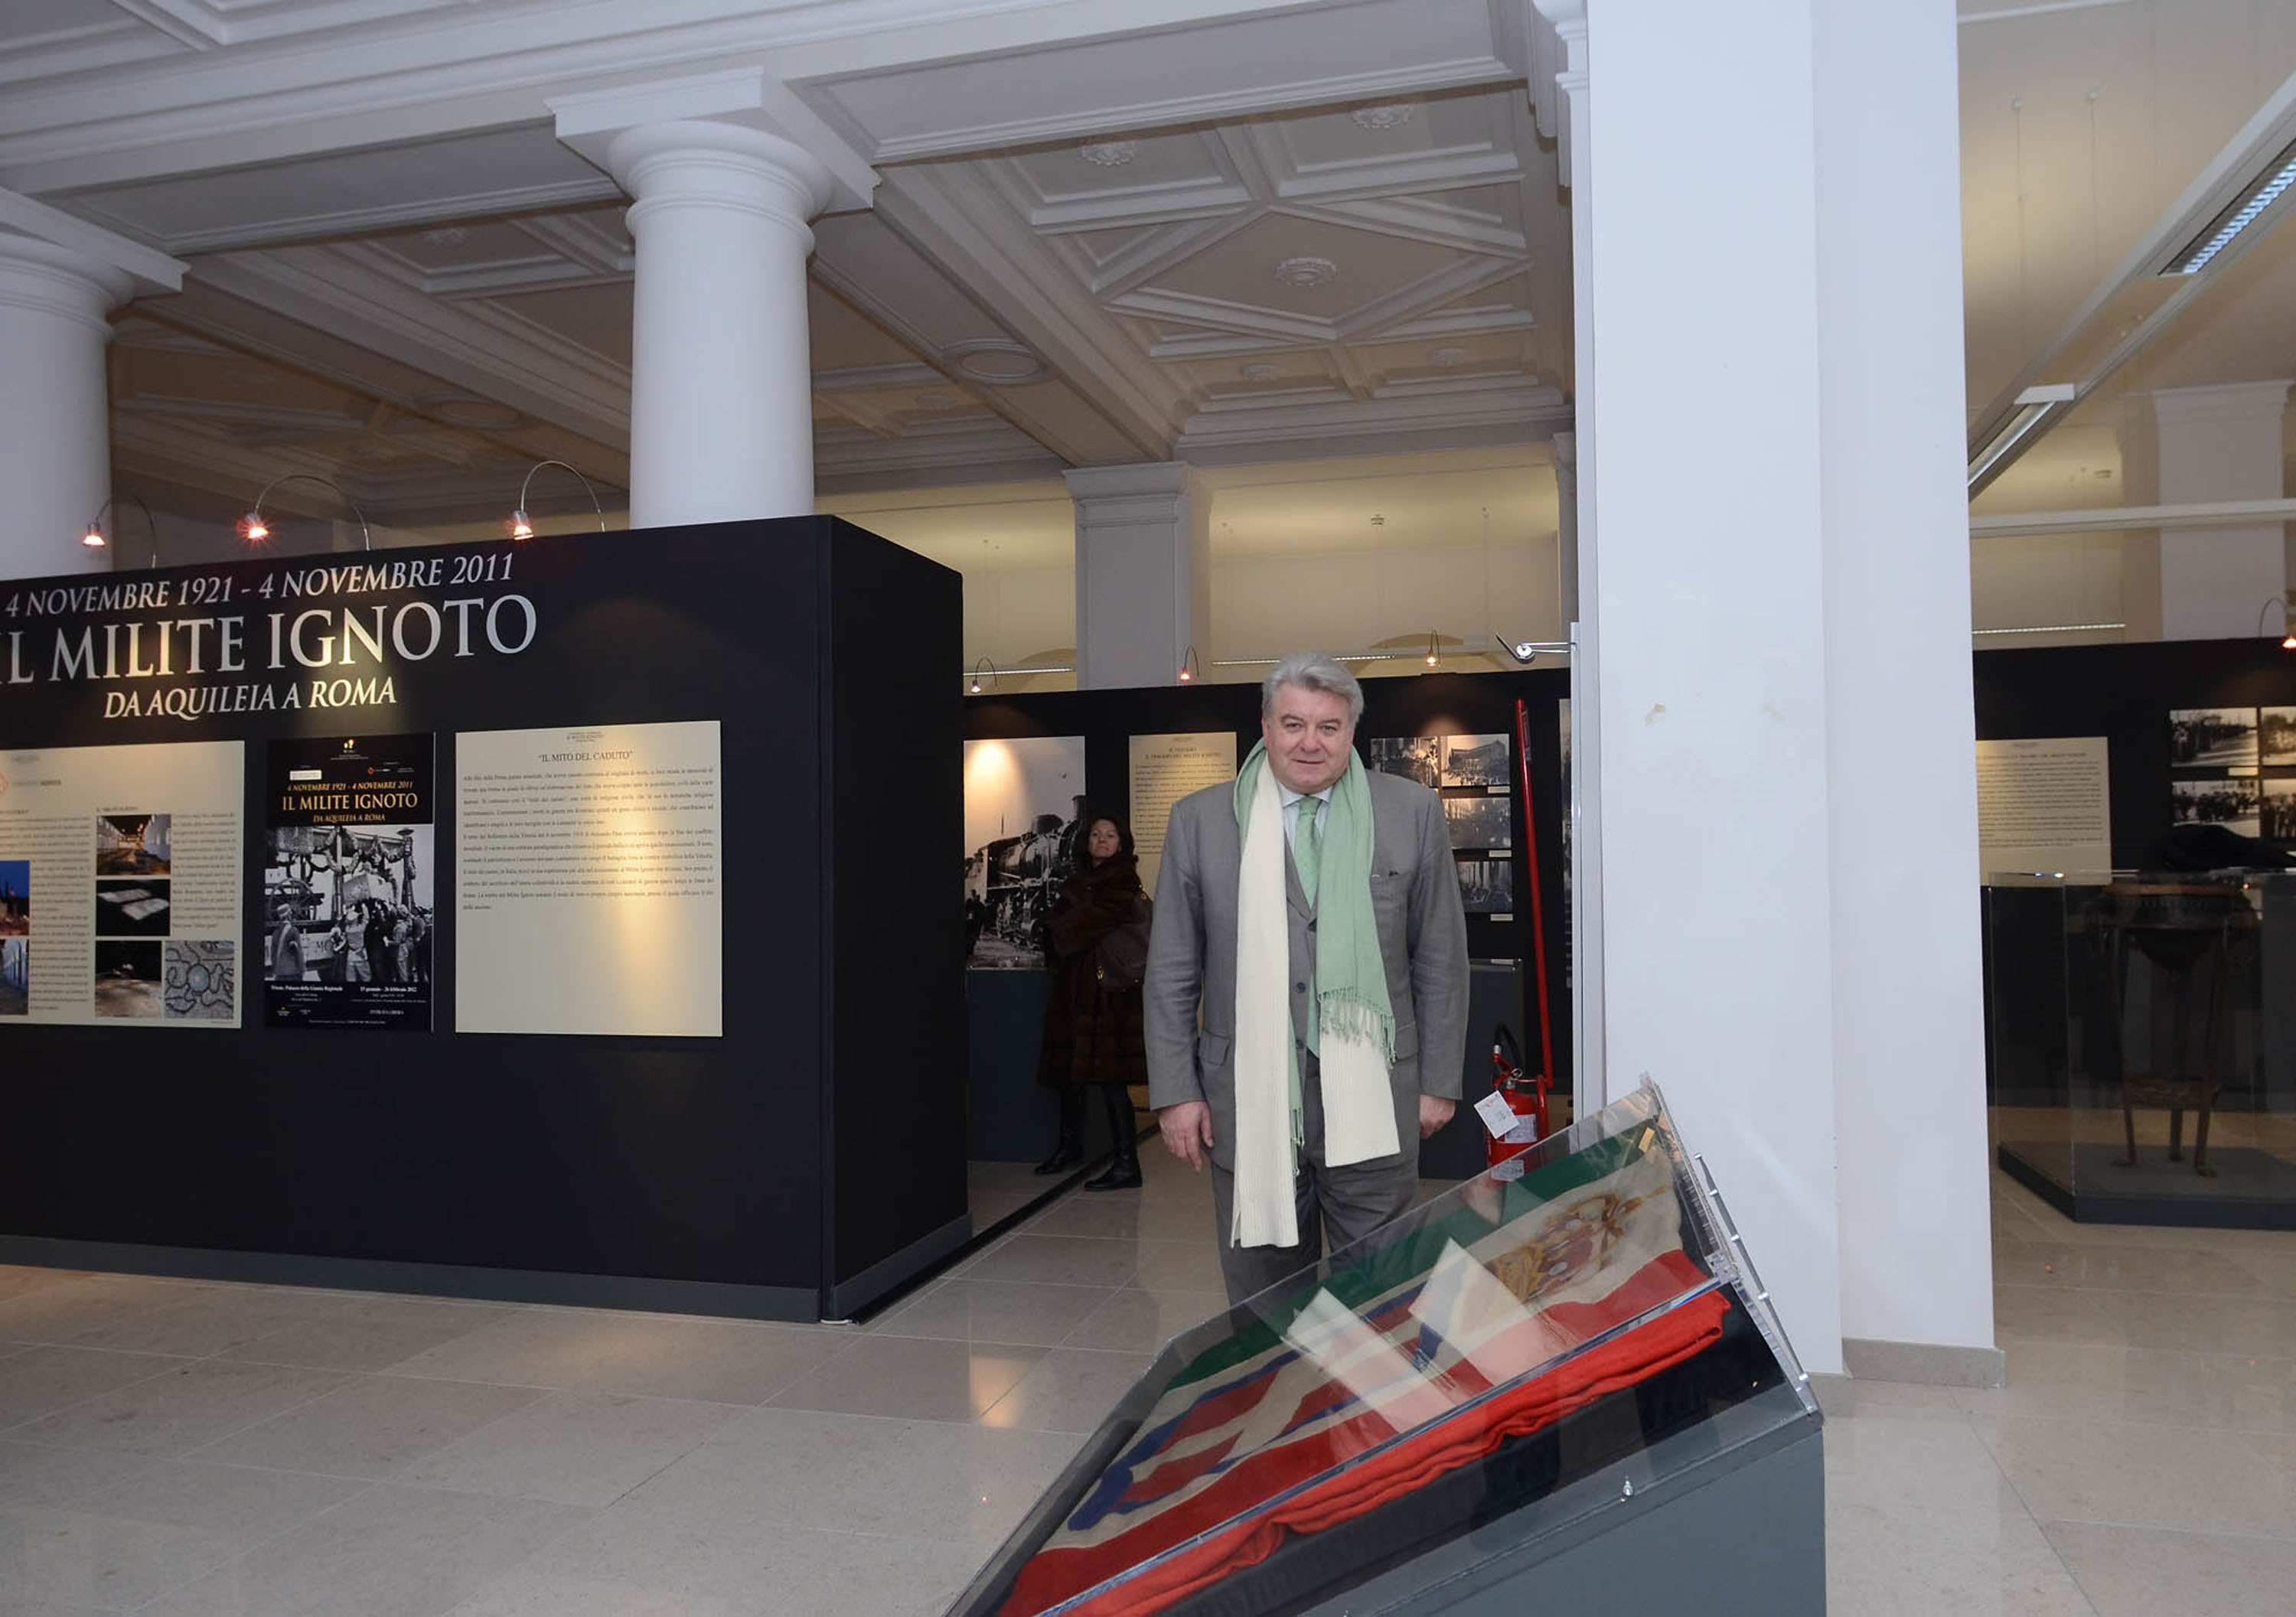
1309	706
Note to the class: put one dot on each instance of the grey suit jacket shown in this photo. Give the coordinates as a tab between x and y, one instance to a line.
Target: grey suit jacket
1423	939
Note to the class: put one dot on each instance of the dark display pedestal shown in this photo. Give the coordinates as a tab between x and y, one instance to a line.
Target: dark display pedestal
2251	1190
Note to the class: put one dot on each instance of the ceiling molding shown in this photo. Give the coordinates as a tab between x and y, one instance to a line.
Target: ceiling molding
365	221
88	49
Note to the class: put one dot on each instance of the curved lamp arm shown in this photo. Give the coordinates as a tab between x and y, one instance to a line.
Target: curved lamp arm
256	529
521	526
2287	628
94	538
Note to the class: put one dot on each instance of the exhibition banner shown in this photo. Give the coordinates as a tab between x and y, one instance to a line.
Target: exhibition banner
347	907
119	885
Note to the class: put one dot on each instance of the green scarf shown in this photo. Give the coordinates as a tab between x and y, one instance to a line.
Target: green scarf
1351	1000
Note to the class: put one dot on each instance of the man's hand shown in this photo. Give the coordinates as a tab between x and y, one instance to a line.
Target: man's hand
1187	1129
1434	1111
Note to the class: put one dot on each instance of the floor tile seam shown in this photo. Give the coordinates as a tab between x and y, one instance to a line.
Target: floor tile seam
2134	1291
253	1548
2091	1422
8	1433
2120	1526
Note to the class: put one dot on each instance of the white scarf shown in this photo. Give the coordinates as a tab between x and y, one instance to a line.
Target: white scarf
1358	1102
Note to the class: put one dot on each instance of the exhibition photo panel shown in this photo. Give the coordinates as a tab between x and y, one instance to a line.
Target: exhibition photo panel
1023	800
590	881
119	884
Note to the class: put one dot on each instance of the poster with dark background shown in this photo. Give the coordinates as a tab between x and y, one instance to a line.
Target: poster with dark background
349	906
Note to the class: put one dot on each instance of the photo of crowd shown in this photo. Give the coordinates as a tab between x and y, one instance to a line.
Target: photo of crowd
2234	804
1414	757
2276	733
2212	738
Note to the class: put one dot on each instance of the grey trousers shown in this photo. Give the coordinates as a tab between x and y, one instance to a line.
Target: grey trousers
1336	1207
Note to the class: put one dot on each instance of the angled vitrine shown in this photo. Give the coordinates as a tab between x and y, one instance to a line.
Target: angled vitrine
1564	1389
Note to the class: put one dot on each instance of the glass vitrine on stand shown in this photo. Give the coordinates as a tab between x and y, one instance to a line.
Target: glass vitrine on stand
2141	1033
1562	1391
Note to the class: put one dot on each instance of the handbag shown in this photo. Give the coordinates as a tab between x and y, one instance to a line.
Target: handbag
1120	959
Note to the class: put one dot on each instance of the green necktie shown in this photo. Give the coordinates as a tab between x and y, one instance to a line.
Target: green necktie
1307	847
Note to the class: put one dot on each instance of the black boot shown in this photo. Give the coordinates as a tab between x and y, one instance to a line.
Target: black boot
1124	1170
1070	1152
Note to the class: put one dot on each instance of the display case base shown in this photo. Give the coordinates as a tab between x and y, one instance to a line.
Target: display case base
1742	1532
2251	1189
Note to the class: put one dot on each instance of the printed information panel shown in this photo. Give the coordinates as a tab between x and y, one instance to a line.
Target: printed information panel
347	912
589	879
119	884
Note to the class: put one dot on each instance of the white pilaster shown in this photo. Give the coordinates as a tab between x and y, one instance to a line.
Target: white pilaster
1566	528
1784	747
1143	573
59	278
729	172
2220	443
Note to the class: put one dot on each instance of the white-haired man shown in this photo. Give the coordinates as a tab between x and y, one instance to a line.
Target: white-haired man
1307	986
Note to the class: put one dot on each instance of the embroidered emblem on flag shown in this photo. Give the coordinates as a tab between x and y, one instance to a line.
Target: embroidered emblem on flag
1361	1391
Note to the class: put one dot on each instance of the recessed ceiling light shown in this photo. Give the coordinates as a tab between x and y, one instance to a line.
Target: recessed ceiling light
1259	370
1390	117
1306	270
1108	153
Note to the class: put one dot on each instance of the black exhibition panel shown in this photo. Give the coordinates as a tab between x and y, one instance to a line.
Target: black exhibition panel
2124	693
809	1159
1413	705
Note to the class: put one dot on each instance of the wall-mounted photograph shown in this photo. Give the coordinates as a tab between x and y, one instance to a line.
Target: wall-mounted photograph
2277	813
15	898
1487	886
1479	822
2275	733
201	979
1475	760
132	906
2233	804
16	976
1416	757
1022	798
2212	738
128	979
132	845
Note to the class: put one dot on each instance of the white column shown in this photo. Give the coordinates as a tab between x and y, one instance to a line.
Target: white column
56	439
1143	573
1566	529
721	380
1784	752
1908	1046
2220	443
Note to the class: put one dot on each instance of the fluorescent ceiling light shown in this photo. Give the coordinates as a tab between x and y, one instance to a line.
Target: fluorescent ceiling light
2218	233
2035	407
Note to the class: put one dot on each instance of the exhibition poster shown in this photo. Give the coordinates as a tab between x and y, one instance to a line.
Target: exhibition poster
119	884
1023	800
348	911
589	880
1166	768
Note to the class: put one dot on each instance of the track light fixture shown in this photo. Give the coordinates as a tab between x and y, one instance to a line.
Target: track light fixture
95	539
521	526
1189	669
255	530
1431	648
980	663
2287	628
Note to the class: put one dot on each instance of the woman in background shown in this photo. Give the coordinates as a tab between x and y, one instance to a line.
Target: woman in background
1095	942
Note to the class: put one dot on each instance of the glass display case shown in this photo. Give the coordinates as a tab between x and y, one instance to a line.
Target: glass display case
1564	1375
2140	1044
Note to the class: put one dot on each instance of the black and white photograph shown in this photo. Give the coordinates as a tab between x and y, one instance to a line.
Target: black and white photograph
132	845
2233	804
1475	760
1487	886
1022	800
1479	822
201	979
2276	734
1416	757
2277	813
2212	738
16	976
128	979
15	898
132	906
349	909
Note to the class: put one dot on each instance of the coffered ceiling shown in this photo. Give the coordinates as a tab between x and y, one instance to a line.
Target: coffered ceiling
1232	232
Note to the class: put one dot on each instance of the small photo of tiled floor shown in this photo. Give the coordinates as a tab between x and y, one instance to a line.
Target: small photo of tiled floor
205	1450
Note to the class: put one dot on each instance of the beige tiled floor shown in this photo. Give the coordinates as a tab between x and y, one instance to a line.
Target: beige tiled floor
199	1451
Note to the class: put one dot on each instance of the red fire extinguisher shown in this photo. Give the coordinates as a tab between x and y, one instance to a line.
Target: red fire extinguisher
1525	1096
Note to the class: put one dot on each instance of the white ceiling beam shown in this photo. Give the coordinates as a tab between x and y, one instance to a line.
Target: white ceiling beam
2217	513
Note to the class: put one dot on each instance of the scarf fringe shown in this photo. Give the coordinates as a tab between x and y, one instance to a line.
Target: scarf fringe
1345	1015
